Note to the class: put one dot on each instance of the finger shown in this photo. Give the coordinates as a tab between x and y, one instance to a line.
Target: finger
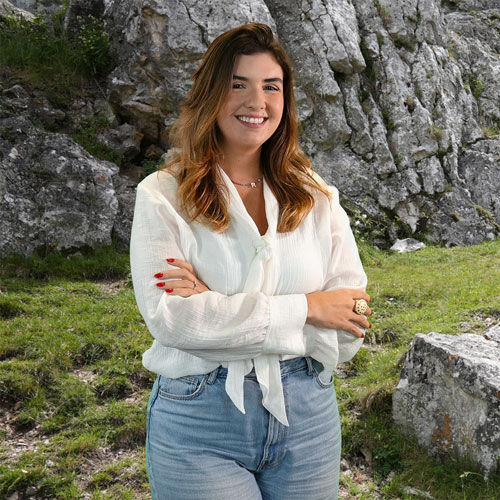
181	292
181	263
175	284
180	274
362	295
351	328
361	320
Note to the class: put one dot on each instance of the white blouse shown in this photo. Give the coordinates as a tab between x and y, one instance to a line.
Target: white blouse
255	312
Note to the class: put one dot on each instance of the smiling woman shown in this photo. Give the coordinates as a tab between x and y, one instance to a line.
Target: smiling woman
252	110
247	275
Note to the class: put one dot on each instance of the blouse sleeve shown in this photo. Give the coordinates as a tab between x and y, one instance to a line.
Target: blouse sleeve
209	325
344	271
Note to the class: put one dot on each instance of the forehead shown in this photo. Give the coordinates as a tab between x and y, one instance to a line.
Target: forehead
260	66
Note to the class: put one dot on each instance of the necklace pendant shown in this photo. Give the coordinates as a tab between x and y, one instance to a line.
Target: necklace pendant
253	184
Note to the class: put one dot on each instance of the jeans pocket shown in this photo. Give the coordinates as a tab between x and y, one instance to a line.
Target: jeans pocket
323	378
182	388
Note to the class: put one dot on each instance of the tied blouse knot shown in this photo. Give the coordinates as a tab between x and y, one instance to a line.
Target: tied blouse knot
255	312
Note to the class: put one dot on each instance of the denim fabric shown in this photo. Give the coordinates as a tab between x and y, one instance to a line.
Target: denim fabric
200	447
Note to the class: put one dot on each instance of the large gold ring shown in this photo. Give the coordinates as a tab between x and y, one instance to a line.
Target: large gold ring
360	306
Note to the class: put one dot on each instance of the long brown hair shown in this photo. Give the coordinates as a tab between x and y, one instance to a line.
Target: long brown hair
197	139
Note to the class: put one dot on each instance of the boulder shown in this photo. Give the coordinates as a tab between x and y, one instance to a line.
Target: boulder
448	396
407	245
52	192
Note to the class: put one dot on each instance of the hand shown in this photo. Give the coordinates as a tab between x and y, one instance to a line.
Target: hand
180	281
335	310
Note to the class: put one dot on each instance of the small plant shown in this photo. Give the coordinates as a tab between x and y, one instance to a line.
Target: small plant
490	131
86	136
389	122
404	43
476	86
452	47
365	94
486	215
436	132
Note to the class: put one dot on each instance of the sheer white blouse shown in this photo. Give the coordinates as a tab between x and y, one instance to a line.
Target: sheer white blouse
255	312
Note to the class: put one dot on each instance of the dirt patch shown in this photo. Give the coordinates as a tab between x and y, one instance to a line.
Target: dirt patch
112	287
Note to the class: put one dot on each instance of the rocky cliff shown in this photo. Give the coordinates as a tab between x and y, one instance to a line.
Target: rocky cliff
399	101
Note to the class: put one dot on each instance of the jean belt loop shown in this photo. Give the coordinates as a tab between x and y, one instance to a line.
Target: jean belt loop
212	376
309	365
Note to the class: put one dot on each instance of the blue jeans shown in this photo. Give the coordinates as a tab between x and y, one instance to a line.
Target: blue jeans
200	447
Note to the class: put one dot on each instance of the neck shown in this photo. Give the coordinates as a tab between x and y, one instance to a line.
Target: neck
241	167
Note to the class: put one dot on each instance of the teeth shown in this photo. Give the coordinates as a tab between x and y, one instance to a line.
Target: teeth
248	119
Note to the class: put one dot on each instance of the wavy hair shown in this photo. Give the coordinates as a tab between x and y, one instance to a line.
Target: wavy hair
197	140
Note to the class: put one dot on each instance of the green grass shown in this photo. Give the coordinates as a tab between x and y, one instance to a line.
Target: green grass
72	384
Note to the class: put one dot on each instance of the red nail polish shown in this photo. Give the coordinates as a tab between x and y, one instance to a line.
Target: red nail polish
362	336
369	326
169	290
158	275
170	260
160	284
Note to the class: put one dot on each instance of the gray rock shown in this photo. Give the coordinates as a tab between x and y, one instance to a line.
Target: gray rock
52	192
11	9
407	245
384	94
394	97
493	333
125	194
125	140
448	396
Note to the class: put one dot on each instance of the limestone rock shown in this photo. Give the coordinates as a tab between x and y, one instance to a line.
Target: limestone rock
399	101
391	96
43	8
407	245
157	45
493	333
11	9
125	139
448	396
52	192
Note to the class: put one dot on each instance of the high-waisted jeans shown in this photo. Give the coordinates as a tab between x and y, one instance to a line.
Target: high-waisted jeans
200	447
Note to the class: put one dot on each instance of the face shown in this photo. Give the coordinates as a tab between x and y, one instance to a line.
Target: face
253	107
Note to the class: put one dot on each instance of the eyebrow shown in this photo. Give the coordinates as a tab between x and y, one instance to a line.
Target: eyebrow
267	80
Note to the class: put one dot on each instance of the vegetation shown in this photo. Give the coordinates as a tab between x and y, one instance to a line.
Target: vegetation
436	132
72	384
476	86
36	51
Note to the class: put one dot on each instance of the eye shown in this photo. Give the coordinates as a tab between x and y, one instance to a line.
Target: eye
271	87
237	86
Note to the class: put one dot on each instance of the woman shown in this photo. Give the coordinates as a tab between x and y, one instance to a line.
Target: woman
247	275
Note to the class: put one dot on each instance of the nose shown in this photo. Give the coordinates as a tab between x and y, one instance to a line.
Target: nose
256	99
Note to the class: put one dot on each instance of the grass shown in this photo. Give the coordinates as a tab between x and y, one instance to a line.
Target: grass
72	384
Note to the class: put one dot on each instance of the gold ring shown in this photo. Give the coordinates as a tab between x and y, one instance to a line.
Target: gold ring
360	306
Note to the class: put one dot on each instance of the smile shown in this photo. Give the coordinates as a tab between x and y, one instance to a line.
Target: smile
250	119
